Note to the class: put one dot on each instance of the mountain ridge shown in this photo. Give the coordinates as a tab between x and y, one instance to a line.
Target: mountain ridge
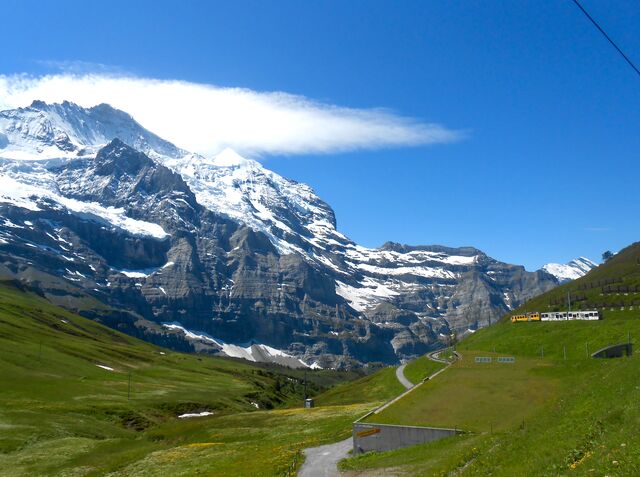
572	270
250	251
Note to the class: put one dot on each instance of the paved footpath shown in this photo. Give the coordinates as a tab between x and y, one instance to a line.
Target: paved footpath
401	377
323	461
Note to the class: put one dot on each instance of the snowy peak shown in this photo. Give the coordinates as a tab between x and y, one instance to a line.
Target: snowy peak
230	158
117	174
570	271
66	130
294	218
288	212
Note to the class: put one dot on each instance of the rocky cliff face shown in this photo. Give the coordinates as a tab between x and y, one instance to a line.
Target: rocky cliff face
221	252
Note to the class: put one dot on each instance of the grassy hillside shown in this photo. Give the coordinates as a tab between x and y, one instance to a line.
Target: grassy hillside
556	411
373	389
613	286
66	407
420	368
475	398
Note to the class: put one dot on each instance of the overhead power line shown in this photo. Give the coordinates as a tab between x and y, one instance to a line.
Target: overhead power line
626	58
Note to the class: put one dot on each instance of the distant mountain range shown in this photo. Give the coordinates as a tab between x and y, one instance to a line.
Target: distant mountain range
570	271
220	254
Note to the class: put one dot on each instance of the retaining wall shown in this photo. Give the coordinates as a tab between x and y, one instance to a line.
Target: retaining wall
384	437
614	351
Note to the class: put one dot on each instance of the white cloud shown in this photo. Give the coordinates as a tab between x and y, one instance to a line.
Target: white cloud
206	118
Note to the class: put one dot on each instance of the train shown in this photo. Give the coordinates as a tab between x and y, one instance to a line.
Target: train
557	316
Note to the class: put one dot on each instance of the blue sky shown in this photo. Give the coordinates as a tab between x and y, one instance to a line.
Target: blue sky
546	169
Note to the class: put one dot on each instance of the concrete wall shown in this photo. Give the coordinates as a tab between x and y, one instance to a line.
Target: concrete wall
384	437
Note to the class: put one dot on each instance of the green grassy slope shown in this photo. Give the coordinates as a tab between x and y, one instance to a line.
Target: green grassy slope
614	285
378	387
420	368
373	389
62	414
554	412
475	398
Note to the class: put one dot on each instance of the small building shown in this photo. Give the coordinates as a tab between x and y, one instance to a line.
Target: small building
308	403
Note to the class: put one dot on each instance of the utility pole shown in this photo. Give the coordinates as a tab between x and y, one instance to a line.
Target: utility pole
305	383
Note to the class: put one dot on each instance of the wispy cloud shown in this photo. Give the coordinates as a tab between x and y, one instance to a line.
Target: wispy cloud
79	67
206	118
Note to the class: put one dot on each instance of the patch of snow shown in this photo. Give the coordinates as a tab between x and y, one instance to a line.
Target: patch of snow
199	414
507	300
367	295
104	367
8	223
28	197
143	273
134	274
250	351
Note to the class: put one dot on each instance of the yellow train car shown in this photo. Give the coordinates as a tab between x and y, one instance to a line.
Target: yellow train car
535	316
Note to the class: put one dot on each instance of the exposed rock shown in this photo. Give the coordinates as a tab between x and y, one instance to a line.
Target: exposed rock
232	252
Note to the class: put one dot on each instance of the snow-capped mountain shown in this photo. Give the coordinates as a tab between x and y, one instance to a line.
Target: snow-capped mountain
92	203
66	130
570	271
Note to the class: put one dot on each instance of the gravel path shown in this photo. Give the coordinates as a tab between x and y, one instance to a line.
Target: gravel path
323	461
401	377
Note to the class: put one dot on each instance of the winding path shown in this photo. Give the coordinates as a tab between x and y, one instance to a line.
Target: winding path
402	378
323	461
